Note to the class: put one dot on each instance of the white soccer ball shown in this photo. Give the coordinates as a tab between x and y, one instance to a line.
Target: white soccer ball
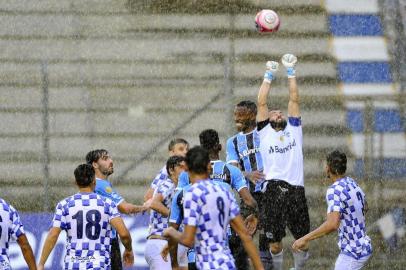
267	21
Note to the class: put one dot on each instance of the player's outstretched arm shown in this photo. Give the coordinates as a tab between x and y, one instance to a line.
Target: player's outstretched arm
289	62
26	249
331	224
238	226
271	68
49	245
129	208
125	238
156	204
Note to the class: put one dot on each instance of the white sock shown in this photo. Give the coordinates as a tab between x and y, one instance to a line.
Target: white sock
300	258
277	260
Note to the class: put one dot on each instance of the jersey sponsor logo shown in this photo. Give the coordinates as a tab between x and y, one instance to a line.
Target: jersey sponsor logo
249	152
218	176
282	150
109	189
82	259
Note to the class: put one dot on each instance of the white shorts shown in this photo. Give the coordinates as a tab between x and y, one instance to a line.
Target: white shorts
345	262
153	256
182	256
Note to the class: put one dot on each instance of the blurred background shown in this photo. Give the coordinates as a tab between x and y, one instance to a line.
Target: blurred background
129	75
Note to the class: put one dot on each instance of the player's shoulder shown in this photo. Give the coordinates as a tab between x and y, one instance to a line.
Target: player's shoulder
6	207
232	138
338	186
233	169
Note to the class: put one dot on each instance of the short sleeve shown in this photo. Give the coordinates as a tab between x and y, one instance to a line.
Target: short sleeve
113	210
191	208
295	121
238	181
234	208
17	227
231	151
162	175
59	220
333	199
165	189
104	189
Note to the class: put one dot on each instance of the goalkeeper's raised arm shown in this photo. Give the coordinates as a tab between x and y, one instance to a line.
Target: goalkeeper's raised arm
263	112
289	62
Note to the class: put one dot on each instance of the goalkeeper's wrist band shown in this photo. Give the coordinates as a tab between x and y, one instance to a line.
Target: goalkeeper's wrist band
268	76
291	72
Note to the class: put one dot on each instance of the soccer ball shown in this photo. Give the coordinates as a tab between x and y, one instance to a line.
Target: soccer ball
267	21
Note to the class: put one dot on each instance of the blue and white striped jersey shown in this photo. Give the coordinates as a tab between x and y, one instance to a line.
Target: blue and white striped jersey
227	173
10	229
157	222
210	208
86	219
222	173
347	198
244	150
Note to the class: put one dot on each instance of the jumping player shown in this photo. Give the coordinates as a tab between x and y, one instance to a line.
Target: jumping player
284	202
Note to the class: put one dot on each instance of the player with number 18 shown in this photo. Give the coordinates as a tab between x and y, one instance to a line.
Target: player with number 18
88	220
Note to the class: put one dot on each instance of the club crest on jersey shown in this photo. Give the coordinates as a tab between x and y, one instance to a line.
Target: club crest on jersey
109	189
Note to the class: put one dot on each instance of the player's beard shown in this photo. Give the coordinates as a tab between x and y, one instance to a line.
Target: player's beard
108	171
279	125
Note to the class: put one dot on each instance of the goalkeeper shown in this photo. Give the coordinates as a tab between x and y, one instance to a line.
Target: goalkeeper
284	202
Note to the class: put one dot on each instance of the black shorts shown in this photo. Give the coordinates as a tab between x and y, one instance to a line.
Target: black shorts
284	205
116	263
244	209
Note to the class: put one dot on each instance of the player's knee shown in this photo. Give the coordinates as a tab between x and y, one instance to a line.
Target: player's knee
276	247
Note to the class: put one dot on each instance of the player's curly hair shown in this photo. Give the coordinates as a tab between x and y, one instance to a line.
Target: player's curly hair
84	175
337	162
209	139
197	160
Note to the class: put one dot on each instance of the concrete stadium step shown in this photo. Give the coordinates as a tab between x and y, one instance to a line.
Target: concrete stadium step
181	97
64	72
71	25
121	6
153	47
68	72
125	121
43	6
